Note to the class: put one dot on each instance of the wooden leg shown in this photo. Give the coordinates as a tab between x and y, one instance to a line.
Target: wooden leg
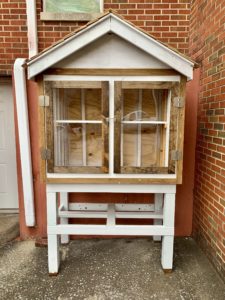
53	239
168	241
158	207
64	201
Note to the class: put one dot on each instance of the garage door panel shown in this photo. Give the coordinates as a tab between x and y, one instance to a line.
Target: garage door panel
8	172
3	180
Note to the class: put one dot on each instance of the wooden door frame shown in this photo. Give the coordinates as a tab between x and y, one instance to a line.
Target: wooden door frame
49	126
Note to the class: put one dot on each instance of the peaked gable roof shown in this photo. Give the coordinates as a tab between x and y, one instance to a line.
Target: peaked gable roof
109	22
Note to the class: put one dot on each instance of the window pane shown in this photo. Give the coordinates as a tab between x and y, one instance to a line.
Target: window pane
67	104
130	145
78	145
144	105
76	142
94	144
92	104
141	145
77	104
79	6
150	145
144	123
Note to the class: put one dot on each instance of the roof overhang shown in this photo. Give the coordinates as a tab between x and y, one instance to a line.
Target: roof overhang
109	23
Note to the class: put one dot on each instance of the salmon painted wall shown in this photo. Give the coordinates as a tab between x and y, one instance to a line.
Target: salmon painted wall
184	201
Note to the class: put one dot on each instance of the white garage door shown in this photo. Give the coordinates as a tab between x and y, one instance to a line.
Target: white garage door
8	175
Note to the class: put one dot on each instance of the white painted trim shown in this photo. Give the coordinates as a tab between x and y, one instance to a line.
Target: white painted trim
111	215
158	199
129	230
64	203
111	188
24	140
110	23
111	127
53	239
121	131
107	78
32	27
115	176
168	241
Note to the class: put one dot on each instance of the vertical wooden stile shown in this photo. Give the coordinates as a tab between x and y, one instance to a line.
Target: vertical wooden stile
49	126
163	117
180	134
41	122
173	127
84	133
117	130
105	125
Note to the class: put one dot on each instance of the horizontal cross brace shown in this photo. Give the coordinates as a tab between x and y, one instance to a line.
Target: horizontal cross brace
104	215
118	230
118	207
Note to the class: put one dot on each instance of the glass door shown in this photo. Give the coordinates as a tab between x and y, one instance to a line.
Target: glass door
141	127
77	127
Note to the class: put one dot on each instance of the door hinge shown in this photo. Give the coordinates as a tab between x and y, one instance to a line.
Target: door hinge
43	100
178	102
45	154
176	155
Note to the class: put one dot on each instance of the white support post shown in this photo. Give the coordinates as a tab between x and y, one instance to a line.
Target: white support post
63	221
111	218
53	239
168	240
158	207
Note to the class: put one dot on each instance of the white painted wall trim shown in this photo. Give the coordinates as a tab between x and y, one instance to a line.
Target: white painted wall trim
32	27
24	141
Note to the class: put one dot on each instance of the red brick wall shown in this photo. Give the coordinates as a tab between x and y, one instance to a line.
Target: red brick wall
207	46
13	33
167	20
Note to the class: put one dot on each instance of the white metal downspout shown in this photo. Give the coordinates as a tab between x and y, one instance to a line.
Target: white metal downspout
22	114
32	27
24	141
